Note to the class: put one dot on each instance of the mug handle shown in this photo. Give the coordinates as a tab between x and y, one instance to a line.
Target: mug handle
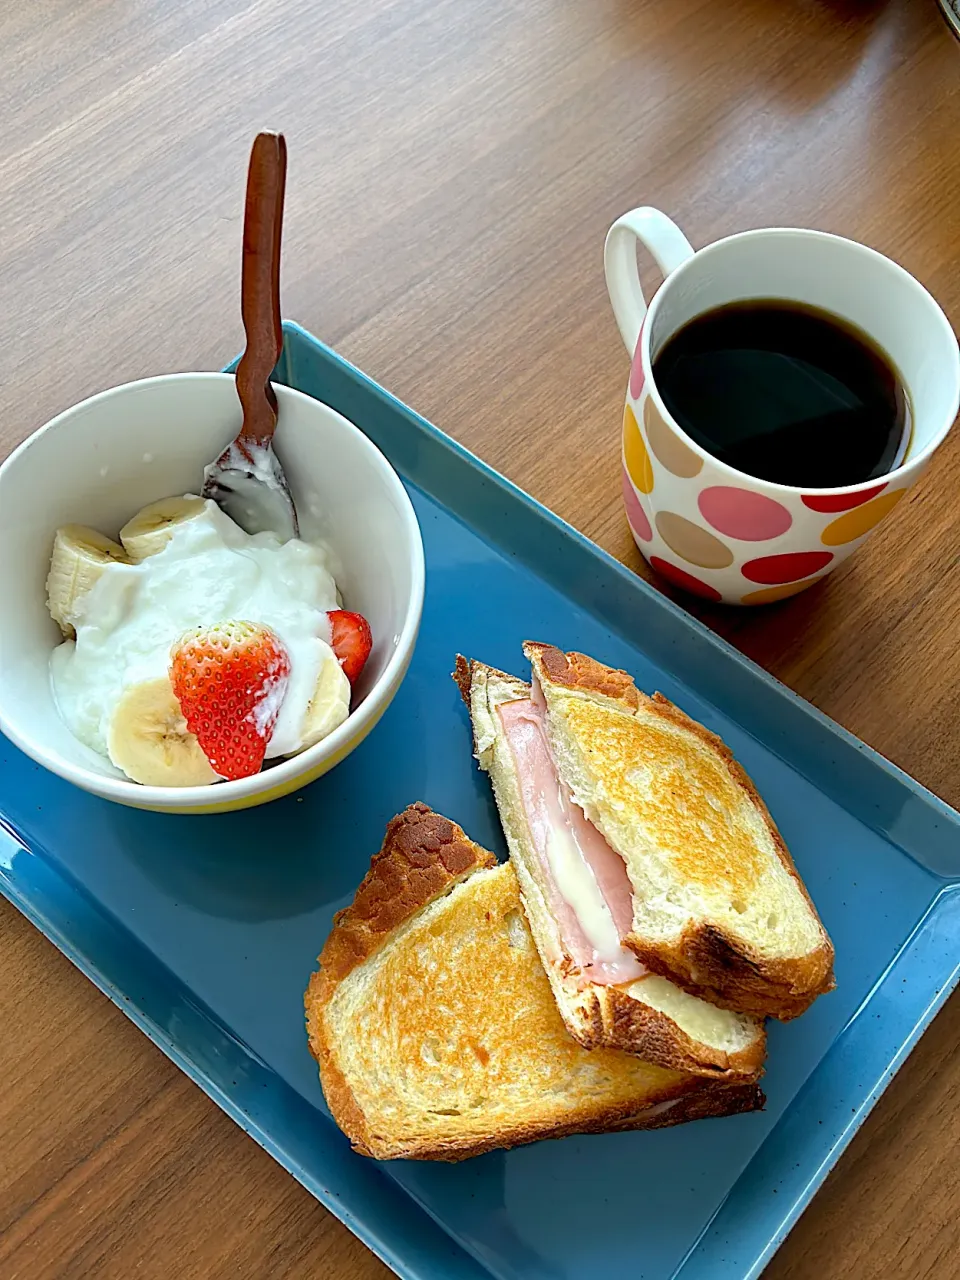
669	248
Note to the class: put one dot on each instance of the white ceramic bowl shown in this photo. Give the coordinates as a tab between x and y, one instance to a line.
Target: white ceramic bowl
101	461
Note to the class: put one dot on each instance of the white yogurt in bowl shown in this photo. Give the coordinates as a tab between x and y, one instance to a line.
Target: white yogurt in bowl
350	501
209	571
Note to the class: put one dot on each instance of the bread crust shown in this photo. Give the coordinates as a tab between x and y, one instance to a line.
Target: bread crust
705	960
579	671
710	1102
707	1101
422	857
463	676
612	1018
628	1023
464	671
729	977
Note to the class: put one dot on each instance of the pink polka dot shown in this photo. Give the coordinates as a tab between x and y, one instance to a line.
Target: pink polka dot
635	513
743	514
792	565
680	578
636	368
841	501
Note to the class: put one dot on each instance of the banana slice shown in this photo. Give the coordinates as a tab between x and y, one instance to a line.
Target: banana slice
152	528
79	558
149	739
330	704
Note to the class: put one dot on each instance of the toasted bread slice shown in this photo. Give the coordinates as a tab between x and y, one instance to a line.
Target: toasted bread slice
435	1028
649	1015
718	905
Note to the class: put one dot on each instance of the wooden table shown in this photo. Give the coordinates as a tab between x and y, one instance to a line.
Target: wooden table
453	169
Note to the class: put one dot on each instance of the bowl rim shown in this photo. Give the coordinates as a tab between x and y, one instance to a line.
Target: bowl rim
357	723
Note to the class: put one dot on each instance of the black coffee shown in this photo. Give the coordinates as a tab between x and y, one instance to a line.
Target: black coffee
787	393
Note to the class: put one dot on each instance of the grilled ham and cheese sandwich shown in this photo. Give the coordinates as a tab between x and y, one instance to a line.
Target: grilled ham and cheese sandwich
712	900
434	1025
578	901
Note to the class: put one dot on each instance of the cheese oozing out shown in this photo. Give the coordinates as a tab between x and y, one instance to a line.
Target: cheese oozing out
584	880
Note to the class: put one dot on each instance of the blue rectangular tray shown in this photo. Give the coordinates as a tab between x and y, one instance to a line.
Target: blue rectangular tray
204	930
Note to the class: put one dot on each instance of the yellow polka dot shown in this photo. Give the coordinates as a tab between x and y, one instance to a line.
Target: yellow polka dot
769	594
635	456
855	523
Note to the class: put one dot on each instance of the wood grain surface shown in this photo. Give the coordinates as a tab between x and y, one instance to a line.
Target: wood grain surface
453	169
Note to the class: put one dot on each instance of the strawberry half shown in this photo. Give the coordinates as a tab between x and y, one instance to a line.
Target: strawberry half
351	640
230	680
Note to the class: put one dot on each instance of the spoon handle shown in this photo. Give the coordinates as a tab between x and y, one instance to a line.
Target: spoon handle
260	286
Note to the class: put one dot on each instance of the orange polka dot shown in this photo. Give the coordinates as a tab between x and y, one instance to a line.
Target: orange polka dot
769	594
860	520
635	456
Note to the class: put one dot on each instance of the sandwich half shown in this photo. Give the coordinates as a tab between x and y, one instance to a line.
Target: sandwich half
435	1029
717	904
578	902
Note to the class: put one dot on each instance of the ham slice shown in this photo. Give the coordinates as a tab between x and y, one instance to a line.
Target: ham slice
584	880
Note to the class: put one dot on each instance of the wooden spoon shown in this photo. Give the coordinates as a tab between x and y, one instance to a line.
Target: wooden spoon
247	480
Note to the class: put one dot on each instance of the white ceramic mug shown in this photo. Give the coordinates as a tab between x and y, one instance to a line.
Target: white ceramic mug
704	525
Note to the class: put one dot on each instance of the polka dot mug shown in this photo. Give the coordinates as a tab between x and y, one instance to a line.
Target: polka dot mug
702	524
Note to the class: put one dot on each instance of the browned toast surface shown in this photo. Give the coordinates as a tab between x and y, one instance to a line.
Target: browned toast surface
438	1037
646	756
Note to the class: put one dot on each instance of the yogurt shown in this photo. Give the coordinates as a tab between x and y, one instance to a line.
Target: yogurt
209	571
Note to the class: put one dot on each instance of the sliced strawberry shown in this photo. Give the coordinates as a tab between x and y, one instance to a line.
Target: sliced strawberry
230	681
351	640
